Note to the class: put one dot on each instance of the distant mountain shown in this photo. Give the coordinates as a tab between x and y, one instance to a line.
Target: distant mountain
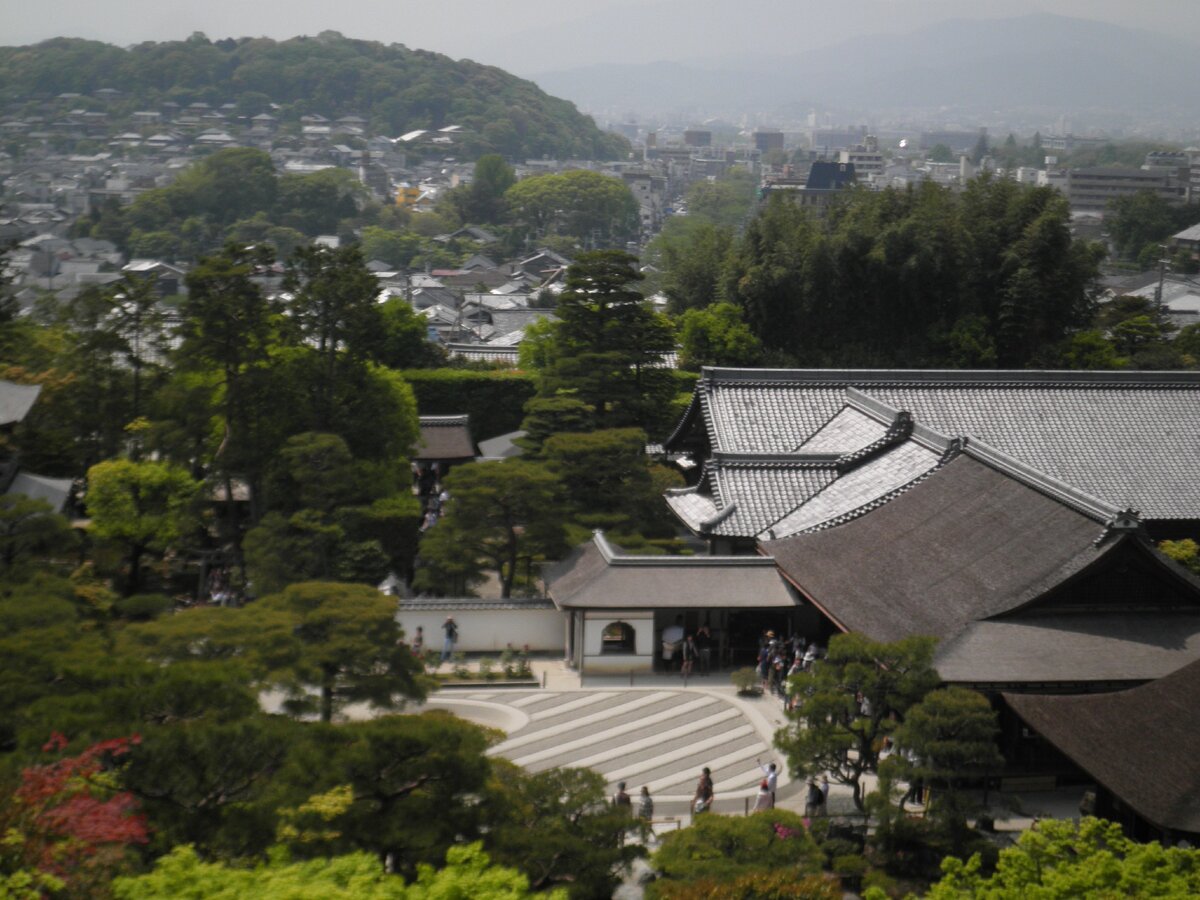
1035	61
394	88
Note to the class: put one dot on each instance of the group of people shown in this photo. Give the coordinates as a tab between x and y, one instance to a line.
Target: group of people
781	658
815	801
645	808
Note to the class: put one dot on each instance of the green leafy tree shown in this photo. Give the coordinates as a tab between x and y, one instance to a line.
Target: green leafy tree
28	527
951	734
333	311
1186	552
692	252
717	336
342	639
396	248
559	828
499	514
608	345
354	876
482	201
940	153
417	783
229	327
724	848
850	702
762	885
1062	859
142	506
593	208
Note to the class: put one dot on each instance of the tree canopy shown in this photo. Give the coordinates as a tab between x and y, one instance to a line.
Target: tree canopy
395	88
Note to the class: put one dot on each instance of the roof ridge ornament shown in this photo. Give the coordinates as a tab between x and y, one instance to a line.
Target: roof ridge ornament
1126	521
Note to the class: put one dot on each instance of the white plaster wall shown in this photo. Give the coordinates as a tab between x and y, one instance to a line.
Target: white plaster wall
490	630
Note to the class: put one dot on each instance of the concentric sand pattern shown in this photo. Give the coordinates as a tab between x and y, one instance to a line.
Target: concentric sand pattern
660	739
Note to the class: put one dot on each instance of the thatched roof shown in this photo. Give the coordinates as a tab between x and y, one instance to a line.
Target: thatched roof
1140	744
967	543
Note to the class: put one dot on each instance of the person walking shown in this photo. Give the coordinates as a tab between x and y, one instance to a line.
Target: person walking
621	800
812	800
450	628
645	808
772	777
689	656
418	644
704	646
702	802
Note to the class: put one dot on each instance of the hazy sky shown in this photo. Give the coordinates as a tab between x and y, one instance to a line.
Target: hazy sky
530	36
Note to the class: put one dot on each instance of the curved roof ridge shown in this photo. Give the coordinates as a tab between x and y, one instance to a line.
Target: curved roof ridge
613	557
1064	493
950	453
952	377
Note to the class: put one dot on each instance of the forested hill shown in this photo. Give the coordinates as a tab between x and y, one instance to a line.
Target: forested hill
394	88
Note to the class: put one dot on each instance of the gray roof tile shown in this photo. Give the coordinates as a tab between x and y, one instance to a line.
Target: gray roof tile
867	484
1130	438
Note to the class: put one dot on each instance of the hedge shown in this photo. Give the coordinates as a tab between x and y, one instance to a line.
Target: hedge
495	401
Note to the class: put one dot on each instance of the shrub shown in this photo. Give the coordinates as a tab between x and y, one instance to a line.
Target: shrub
142	607
747	681
487	668
725	847
459	661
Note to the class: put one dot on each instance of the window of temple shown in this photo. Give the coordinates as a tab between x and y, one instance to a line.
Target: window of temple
617	637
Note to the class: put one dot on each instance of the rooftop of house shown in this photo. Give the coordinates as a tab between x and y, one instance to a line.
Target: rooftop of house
1121	740
16	400
596	575
1130	438
445	438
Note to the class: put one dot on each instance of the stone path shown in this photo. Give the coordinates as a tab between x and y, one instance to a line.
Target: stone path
660	738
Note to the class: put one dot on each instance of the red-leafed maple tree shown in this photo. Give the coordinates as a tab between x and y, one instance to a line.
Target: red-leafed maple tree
69	819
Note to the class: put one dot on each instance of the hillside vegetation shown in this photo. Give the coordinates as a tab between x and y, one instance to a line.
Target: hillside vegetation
394	88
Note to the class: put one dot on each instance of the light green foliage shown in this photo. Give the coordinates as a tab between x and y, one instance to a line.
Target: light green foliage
1185	552
28	884
725	847
536	351
692	253
356	876
1060	859
830	732
499	514
394	247
762	885
581	204
940	153
140	505
717	336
